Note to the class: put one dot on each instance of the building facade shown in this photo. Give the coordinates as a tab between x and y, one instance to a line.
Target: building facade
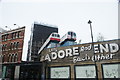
12	45
19	51
80	62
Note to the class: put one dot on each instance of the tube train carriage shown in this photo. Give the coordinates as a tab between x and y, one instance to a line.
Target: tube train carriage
54	37
70	35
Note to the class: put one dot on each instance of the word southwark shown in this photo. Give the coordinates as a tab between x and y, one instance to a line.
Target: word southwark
63	53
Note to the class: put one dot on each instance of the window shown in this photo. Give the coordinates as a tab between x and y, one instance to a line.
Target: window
17	45
59	72
11	46
15	35
68	43
69	33
16	58
9	57
12	35
111	70
53	35
52	45
6	37
4	47
3	37
14	45
74	34
13	57
58	35
18	35
87	71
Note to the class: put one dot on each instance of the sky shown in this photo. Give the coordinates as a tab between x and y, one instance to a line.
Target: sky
67	15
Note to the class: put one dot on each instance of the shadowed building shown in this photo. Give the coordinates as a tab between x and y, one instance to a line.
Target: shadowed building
39	35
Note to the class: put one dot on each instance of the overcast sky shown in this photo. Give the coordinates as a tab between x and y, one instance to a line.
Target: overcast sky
67	15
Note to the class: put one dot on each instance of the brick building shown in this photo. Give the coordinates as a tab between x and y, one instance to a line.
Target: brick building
12	45
20	51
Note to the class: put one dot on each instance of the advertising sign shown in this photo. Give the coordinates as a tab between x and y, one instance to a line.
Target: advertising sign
83	52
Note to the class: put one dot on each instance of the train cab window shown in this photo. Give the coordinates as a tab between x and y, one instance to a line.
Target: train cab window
69	33
58	36
53	35
74	34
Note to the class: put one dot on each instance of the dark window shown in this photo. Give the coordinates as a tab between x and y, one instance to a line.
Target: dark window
18	35
14	46
17	45
74	34
5	46
13	57
11	46
53	35
58	35
12	35
15	34
16	58
8	57
2	47
69	33
3	37
6	36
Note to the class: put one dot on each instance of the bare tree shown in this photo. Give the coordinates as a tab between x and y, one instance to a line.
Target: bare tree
100	37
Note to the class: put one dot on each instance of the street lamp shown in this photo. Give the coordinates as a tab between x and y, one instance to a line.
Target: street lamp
89	22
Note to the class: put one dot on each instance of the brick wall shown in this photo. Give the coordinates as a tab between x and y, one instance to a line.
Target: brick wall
12	45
